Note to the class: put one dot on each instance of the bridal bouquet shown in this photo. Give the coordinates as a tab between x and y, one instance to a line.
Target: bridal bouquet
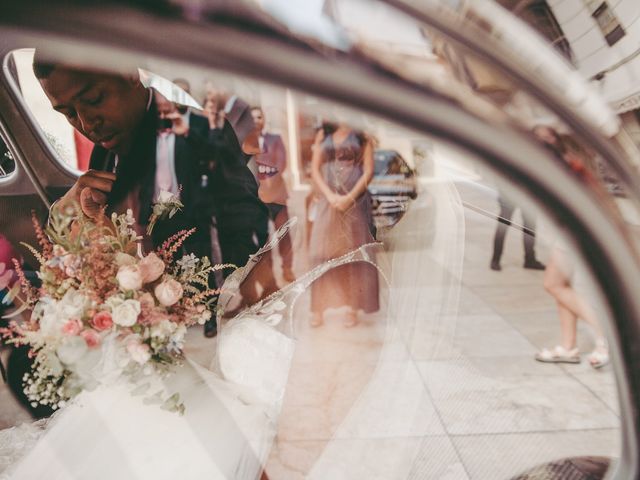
105	310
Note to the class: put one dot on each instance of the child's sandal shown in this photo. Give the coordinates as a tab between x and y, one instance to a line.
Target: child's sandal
600	355
558	354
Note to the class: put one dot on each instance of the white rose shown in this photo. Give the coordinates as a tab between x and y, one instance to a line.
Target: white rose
73	304
204	317
139	351
165	197
164	329
126	313
72	350
151	267
50	316
130	277
113	301
168	292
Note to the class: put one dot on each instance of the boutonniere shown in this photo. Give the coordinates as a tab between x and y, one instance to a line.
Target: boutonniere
166	206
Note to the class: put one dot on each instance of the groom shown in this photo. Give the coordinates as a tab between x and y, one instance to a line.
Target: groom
119	115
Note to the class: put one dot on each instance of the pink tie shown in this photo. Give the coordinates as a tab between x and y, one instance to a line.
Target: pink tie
164	178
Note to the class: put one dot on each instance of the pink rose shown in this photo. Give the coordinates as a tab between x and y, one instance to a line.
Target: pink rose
72	327
130	277
168	292
102	321
151	267
91	337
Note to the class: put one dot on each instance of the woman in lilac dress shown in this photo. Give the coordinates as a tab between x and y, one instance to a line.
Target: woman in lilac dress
341	168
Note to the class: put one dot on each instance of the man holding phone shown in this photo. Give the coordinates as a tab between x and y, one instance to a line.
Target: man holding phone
180	167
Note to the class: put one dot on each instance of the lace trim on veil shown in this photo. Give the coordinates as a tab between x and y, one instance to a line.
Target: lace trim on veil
268	309
16	441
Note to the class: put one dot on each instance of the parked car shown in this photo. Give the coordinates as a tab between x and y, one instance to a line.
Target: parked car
392	188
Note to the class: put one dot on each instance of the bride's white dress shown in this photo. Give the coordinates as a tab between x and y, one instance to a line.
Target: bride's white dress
226	431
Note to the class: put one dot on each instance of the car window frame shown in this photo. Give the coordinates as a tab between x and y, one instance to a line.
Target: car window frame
594	234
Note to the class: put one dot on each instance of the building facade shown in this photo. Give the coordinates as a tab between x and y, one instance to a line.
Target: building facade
602	40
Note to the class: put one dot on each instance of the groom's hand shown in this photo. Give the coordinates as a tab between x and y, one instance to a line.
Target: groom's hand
90	192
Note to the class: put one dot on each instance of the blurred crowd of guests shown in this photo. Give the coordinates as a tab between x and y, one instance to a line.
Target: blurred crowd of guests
227	169
233	196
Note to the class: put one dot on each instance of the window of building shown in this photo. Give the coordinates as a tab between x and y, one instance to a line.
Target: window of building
606	20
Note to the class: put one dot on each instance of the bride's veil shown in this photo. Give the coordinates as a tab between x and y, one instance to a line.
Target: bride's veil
393	424
333	402
379	397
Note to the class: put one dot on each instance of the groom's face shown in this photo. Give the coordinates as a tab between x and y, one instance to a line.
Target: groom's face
105	108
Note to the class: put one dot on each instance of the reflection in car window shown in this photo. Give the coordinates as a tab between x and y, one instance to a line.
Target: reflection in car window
406	343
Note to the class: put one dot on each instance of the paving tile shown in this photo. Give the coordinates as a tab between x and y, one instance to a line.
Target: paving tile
358	459
542	329
394	404
504	456
603	385
471	402
511	275
375	337
293	460
506	300
468	336
356	401
319	396
452	299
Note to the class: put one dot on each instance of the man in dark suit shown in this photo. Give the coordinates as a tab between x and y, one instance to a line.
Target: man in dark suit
242	219
180	167
118	114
